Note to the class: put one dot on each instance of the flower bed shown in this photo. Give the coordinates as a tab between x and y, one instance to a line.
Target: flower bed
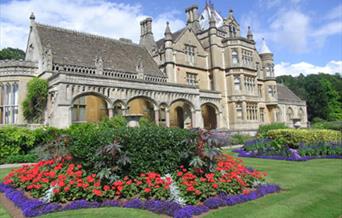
33	207
56	185
278	150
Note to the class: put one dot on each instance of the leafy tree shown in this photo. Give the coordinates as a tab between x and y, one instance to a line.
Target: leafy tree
322	92
12	53
36	100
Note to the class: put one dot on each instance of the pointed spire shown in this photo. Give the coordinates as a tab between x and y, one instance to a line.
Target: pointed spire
167	33
249	34
264	48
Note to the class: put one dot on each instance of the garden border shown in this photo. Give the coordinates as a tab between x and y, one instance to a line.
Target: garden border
31	207
243	153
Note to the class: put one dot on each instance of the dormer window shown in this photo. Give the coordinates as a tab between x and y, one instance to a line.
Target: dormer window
190	54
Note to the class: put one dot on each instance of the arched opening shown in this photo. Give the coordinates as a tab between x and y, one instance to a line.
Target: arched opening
209	116
118	108
180	114
141	106
89	108
301	115
278	115
289	114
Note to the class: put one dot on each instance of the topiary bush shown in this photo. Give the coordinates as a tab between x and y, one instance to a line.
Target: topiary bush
263	129
293	137
156	149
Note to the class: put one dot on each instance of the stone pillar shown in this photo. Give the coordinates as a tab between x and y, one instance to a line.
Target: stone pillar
167	117
244	111
242	83
156	116
110	112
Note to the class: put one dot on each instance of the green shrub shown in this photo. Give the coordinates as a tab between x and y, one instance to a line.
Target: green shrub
36	100
239	139
293	137
86	138
20	158
114	122
144	122
156	149
263	129
15	141
46	135
334	125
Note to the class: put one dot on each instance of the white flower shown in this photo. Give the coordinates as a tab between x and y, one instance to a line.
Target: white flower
175	194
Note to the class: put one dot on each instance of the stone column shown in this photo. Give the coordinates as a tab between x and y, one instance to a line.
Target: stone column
156	116
244	111
110	112
167	117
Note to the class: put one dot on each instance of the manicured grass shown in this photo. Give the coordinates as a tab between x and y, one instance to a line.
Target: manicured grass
310	189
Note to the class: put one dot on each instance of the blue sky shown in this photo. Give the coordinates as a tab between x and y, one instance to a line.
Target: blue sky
304	35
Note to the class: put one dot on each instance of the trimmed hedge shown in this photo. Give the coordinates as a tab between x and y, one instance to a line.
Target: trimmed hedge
334	125
293	137
14	141
263	129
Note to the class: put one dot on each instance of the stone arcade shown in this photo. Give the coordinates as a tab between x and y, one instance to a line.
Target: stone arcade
203	75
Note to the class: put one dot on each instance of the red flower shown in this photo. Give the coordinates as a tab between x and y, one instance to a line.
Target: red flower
56	191
190	189
97	192
90	179
61	183
198	192
179	174
106	187
147	190
66	189
215	186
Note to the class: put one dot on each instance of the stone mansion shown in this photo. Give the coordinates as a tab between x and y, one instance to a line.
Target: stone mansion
204	75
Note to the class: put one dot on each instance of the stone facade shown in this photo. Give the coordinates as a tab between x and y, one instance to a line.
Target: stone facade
204	75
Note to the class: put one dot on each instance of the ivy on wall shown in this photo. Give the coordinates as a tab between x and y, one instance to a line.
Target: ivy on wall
35	102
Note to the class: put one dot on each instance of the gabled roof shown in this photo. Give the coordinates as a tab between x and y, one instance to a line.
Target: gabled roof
175	35
286	95
81	49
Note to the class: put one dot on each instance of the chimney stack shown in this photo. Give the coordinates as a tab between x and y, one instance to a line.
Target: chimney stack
146	35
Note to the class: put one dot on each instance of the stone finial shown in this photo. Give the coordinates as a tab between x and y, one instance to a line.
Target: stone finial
98	65
167	33
212	21
231	13
32	17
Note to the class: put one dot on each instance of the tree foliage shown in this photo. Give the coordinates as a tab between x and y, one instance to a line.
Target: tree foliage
322	93
35	102
12	53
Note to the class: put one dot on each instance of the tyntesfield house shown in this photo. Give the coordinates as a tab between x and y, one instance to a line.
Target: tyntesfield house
204	75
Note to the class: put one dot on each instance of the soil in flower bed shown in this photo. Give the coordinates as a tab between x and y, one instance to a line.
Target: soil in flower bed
10	207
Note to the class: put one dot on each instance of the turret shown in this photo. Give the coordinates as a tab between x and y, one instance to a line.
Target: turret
249	34
267	59
169	64
146	36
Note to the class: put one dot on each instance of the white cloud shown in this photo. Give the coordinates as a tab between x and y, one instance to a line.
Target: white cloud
291	29
306	68
102	17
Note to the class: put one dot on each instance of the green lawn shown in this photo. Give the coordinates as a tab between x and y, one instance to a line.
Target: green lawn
3	213
310	189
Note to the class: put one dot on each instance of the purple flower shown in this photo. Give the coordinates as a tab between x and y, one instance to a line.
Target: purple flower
135	203
214	202
185	212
